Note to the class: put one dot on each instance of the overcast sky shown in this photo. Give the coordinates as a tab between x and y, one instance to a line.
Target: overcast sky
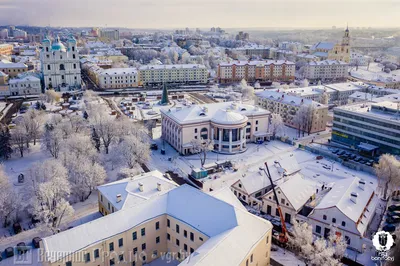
201	13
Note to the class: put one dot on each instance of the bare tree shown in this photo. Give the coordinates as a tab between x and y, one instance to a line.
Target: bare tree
18	137
107	128
9	200
388	173
311	116
201	148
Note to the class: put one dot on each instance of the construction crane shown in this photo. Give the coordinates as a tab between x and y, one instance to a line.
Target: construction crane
283	238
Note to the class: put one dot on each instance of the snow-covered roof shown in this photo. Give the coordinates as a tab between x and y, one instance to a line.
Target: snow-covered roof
323	45
327	63
232	231
225	194
8	64
256	63
308	56
298	190
177	66
128	188
118	71
340	197
2	74
289	164
346	86
321	54
288	99
24	79
210	112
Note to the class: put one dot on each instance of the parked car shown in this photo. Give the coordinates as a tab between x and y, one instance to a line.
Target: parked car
394	207
9	252
17	228
36	242
394	213
368	163
389	228
393	219
357	159
362	162
335	151
21	248
327	167
341	153
154	147
352	156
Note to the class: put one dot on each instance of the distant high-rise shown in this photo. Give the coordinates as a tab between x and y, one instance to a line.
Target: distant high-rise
4	34
110	34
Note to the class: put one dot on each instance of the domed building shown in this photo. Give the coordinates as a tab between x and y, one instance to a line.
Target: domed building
229	126
60	64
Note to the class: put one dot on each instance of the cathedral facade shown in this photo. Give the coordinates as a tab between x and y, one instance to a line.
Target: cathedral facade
60	65
334	51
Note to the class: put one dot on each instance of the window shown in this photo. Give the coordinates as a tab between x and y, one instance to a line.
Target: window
134	235
347	239
143	232
157	239
191	250
277	212
120	242
96	253
318	229
191	236
240	185
251	258
133	263
256	128
177	228
168	236
155	253
324	217
87	257
185	233
177	242
256	122
112	262
168	223
62	67
283	201
247	262
343	223
101	198
74	66
121	257
111	246
134	250
144	246
195	130
200	238
157	225
73	56
144	258
179	255
333	220
48	67
184	247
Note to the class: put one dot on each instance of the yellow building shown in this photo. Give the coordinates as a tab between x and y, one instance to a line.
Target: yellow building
12	69
6	49
334	51
183	226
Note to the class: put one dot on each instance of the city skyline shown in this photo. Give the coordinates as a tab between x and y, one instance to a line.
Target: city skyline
200	14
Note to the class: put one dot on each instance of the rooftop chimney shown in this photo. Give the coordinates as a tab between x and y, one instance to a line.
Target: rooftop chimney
119	197
353	197
361	184
159	186
141	187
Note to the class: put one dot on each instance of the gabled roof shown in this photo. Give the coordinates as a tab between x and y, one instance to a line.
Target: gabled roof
128	188
232	231
323	45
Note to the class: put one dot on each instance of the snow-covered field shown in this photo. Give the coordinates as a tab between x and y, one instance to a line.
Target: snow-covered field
375	73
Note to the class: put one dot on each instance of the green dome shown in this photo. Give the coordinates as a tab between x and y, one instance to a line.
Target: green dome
58	46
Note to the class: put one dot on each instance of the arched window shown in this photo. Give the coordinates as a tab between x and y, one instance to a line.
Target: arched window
347	240
248	127
324	217
204	133
73	48
62	67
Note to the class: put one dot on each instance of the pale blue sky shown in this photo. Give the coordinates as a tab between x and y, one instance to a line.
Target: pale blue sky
201	13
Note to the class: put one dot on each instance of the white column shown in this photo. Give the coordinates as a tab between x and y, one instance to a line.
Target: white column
241	139
212	134
220	140
230	140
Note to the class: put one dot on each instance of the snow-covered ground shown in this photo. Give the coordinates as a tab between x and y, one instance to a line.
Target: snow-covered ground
375	73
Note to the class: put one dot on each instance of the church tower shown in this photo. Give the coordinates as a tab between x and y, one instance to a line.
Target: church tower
346	37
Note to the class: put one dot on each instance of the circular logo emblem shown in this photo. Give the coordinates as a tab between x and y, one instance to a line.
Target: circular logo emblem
382	241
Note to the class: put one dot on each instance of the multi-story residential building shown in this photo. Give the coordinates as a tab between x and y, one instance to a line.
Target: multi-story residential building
250	51
307	57
346	210
326	70
357	59
110	34
185	224
6	49
229	125
287	106
271	70
339	93
4	90
295	47
370	127
4	34
12	69
128	192
60	65
334	51
117	78
25	85
35	38
159	74
19	34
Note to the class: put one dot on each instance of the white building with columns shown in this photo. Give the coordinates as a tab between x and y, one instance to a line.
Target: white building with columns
229	125
60	65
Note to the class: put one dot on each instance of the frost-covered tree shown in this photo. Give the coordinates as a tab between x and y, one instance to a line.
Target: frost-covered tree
78	123
96	140
9	200
301	239
49	191
52	96
52	140
300	120
18	137
246	90
325	98
107	128
201	148
388	173
84	176
276	126
311	116
305	83
32	123
80	146
134	150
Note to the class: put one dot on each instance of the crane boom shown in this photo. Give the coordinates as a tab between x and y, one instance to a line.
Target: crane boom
283	236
